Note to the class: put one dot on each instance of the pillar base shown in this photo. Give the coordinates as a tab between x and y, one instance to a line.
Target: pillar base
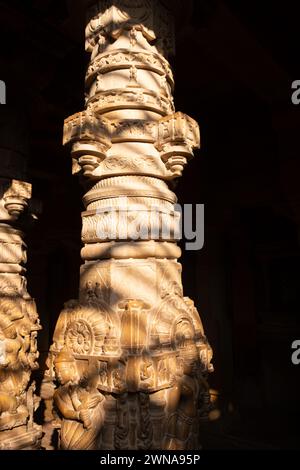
21	438
138	349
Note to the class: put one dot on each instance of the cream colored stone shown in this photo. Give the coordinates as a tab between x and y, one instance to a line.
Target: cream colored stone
19	325
132	344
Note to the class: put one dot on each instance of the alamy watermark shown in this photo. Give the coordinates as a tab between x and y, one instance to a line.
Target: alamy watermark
296	354
129	222
296	94
2	92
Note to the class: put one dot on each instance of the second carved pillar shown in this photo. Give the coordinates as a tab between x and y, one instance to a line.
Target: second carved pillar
19	321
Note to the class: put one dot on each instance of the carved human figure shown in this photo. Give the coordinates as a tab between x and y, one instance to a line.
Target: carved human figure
28	333
147	372
8	403
11	340
79	405
17	401
183	402
13	397
12	346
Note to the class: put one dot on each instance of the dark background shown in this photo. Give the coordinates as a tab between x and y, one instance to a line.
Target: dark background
234	66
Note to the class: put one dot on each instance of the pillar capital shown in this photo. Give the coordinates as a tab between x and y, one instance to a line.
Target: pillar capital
135	20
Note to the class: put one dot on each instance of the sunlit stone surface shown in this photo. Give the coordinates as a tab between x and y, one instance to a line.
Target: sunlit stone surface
129	358
19	323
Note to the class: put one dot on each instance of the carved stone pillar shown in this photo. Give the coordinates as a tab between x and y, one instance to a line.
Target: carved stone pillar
130	356
19	323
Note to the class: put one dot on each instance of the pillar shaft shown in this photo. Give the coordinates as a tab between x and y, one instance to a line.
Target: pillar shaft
133	336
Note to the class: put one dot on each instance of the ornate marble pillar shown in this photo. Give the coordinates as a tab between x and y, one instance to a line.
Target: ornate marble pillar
129	356
19	323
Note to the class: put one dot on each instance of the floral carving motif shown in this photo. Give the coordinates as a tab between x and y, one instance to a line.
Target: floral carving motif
132	163
79	337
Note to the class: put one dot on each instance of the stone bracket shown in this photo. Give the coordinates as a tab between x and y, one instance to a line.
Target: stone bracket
174	136
16	197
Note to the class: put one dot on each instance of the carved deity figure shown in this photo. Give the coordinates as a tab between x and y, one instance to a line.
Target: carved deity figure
183	401
18	333
12	343
146	372
79	405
